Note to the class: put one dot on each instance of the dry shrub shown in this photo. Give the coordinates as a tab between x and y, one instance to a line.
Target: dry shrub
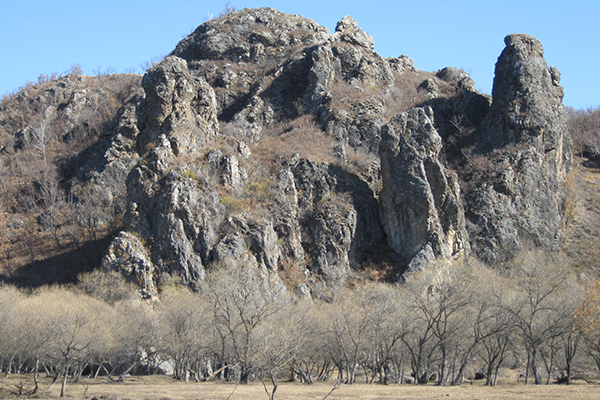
345	95
292	274
109	286
374	272
584	127
406	94
301	136
403	94
360	161
571	200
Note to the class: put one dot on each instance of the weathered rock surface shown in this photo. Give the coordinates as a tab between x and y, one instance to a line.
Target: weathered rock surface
251	35
318	216
179	216
267	140
521	199
178	105
421	208
339	218
128	255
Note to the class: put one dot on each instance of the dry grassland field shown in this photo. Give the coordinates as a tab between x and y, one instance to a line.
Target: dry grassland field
165	388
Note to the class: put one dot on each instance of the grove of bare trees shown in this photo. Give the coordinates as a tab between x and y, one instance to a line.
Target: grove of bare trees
443	326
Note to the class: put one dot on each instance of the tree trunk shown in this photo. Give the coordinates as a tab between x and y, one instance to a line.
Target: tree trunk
128	370
244	374
63	388
9	367
36	376
535	369
54	379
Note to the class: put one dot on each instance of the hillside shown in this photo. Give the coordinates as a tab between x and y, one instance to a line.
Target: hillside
267	140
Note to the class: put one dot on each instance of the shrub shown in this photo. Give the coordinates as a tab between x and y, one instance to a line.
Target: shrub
584	127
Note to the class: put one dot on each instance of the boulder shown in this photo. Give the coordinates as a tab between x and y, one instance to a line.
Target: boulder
127	254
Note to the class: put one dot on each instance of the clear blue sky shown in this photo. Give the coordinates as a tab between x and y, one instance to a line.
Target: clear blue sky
43	36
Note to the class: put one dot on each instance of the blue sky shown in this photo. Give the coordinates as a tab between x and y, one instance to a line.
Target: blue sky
50	36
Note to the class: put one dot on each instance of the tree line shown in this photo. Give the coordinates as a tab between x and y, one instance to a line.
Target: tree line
444	325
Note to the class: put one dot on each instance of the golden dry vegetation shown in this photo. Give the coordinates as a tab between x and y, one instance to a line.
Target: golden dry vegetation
162	388
582	219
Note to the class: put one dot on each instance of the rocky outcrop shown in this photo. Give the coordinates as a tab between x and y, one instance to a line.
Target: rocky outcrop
527	98
319	216
128	255
178	105
267	140
421	208
251	35
524	142
337	213
180	216
347	81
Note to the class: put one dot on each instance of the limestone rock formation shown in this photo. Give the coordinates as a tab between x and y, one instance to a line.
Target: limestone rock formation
264	139
521	199
420	201
180	216
319	216
338	216
178	105
251	35
128	255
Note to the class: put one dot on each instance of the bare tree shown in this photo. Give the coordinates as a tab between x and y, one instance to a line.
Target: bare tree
241	299
79	330
10	324
277	343
40	138
311	361
381	305
185	327
36	332
587	320
494	325
137	337
584	127
540	287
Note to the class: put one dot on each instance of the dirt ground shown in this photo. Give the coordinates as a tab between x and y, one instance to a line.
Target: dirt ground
165	388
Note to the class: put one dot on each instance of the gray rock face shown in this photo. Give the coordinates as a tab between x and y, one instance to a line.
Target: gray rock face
339	216
267	140
191	195
524	138
178	105
181	218
421	208
355	76
128	255
251	35
527	98
286	218
456	76
331	230
347	31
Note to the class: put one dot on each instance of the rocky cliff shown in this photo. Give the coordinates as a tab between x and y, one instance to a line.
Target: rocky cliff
265	138
521	198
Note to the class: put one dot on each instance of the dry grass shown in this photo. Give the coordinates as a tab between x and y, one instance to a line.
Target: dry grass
406	92
162	387
582	230
301	136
